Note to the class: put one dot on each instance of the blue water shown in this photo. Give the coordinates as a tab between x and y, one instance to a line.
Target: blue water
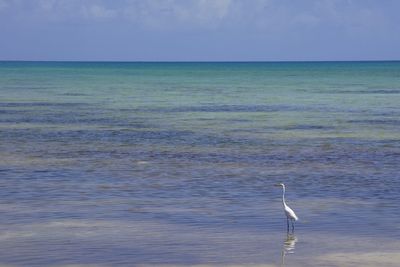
146	164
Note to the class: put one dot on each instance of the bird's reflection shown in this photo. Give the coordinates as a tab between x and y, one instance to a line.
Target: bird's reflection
288	246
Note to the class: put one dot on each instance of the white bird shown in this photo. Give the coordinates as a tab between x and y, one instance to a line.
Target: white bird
290	215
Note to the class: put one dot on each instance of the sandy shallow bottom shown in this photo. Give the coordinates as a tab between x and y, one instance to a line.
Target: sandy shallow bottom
89	242
370	259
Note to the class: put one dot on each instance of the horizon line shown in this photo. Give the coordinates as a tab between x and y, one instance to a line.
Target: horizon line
199	61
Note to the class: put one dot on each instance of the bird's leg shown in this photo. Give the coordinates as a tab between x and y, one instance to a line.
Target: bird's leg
287	221
292	226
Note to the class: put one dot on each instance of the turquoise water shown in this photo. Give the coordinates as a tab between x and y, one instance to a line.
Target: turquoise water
148	164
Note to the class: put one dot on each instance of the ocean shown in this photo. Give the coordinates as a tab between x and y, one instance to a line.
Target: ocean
174	164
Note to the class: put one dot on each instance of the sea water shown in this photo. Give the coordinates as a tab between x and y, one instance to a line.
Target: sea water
150	164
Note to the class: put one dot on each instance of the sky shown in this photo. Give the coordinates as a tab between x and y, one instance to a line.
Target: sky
199	30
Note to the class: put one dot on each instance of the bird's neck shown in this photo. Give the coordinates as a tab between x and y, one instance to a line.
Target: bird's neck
283	196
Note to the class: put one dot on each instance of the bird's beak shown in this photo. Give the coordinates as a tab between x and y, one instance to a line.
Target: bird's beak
277	185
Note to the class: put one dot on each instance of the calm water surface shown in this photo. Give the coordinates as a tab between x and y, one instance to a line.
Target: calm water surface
153	164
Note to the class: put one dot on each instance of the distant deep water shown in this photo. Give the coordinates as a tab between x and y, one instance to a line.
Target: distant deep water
148	164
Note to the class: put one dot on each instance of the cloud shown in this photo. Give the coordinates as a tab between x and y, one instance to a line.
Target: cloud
255	15
47	4
169	14
98	12
208	10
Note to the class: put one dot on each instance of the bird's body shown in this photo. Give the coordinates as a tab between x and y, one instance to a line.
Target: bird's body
290	215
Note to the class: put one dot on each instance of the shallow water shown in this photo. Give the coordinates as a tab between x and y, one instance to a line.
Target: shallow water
147	164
